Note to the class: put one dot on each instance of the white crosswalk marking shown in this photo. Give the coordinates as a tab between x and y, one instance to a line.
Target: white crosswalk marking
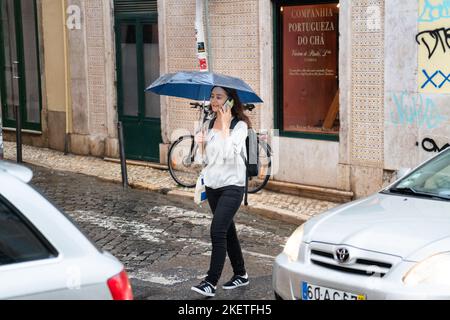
146	231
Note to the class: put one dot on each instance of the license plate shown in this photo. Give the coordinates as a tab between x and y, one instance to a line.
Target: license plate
312	292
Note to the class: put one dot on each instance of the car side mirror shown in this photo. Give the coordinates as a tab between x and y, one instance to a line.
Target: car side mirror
403	172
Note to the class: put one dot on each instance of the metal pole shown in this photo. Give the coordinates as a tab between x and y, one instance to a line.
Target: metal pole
123	160
18	133
208	35
202	53
1	137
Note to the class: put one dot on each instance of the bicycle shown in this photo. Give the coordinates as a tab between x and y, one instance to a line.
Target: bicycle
181	157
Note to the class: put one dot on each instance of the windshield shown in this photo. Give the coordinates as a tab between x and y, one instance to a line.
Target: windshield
433	178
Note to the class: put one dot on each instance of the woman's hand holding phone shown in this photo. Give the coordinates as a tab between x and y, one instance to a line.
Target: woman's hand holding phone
228	105
226	117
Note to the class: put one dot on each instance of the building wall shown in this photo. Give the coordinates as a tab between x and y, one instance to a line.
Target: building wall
241	45
55	75
414	114
54	54
78	79
92	77
179	47
397	118
235	50
308	162
362	56
385	113
357	162
295	160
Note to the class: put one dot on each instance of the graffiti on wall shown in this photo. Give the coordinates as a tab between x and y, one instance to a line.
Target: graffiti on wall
415	109
430	145
438	79
433	41
436	40
434	10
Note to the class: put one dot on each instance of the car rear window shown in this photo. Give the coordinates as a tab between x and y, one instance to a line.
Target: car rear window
19	240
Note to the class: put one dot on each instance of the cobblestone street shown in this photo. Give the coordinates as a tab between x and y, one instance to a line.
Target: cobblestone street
268	203
162	240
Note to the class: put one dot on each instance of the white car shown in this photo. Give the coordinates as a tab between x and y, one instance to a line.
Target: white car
392	245
43	255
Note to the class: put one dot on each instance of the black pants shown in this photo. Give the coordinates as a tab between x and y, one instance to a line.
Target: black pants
224	203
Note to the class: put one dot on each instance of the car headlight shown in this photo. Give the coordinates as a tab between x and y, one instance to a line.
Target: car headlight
292	247
433	270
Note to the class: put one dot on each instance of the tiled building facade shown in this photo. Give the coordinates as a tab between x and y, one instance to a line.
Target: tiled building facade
93	52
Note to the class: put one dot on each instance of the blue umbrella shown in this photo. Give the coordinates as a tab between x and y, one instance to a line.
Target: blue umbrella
197	85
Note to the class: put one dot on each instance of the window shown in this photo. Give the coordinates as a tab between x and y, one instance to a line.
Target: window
307	76
433	178
19	242
151	68
19	63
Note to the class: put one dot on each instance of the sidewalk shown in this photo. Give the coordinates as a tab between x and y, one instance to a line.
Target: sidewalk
288	208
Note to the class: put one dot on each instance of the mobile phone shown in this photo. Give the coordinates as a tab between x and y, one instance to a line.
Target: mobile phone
228	105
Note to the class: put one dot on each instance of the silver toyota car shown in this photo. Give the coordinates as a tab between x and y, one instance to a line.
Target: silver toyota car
43	255
392	245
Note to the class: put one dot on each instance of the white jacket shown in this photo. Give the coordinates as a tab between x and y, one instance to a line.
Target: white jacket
223	157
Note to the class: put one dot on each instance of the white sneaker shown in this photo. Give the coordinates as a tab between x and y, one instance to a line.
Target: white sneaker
205	288
236	282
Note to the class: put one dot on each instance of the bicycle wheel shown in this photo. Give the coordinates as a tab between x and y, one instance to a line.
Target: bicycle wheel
255	184
181	162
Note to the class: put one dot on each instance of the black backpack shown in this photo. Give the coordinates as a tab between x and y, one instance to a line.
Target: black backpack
252	159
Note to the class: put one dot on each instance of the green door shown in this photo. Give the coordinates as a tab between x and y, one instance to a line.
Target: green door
19	64
138	67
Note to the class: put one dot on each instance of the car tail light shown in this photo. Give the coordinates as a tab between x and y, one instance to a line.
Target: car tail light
120	287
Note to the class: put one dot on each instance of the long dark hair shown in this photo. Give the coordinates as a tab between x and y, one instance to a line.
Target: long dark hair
238	109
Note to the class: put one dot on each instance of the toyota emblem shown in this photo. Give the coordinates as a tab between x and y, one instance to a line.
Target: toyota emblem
342	255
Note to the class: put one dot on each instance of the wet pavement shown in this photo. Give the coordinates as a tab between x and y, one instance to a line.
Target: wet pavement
275	205
162	240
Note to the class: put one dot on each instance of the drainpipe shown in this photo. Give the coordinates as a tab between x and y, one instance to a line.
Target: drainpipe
202	52
66	84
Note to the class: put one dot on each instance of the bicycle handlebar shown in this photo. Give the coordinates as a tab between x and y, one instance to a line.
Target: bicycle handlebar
247	106
196	105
